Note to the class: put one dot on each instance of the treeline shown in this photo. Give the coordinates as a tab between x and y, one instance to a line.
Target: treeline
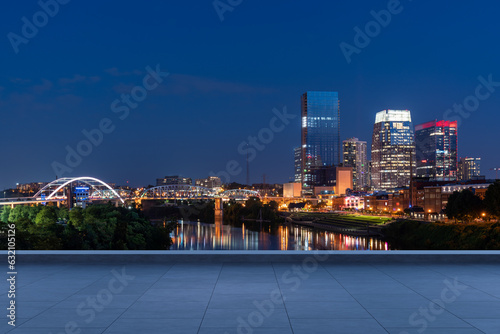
412	235
465	206
97	227
252	209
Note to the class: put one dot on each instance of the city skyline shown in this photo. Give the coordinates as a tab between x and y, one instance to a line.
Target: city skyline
215	91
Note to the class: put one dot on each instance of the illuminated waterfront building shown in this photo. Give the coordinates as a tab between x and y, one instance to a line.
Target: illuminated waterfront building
393	150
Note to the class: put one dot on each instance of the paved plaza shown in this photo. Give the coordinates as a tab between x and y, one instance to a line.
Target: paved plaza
305	297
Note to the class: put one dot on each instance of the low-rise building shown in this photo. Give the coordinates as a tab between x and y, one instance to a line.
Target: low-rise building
211	182
292	189
174	179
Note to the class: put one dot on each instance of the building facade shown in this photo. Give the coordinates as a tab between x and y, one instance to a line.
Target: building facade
320	133
297	158
210	182
292	189
28	188
393	150
469	169
175	179
436	150
354	155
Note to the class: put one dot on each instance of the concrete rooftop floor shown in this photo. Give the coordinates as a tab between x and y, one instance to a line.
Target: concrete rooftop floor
308	296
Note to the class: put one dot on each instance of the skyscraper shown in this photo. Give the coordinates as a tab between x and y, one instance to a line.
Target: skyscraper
469	168
297	158
436	150
354	155
320	135
393	150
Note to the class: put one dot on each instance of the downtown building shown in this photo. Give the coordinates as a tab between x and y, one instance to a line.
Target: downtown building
469	169
354	155
320	135
393	150
210	182
174	179
436	150
297	159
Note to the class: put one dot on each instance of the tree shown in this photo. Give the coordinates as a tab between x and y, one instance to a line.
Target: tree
464	205
76	218
46	217
492	199
4	215
63	213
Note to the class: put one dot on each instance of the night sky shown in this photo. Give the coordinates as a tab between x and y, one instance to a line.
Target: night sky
226	77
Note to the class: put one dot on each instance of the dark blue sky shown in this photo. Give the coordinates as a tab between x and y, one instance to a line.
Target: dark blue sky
227	76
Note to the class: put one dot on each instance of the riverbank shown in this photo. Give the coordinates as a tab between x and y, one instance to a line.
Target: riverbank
354	225
413	235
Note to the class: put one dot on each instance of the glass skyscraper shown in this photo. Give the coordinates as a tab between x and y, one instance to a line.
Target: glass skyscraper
436	144
320	137
393	150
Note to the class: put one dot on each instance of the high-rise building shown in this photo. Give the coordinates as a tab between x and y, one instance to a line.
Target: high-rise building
436	150
369	178
393	150
320	135
469	169
297	158
354	155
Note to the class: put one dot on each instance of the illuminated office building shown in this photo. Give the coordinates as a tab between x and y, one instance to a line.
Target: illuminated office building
469	169
354	155
393	150
436	150
320	135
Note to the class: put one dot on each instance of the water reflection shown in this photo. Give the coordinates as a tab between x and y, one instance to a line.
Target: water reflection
258	236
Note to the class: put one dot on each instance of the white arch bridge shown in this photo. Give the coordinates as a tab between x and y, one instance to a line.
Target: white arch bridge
58	190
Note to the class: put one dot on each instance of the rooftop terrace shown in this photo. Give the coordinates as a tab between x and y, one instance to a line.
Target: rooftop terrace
256	292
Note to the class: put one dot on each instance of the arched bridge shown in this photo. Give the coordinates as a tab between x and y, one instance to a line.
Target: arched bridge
57	191
178	191
97	189
185	191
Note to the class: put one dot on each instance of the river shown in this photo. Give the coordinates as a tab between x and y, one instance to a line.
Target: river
261	236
